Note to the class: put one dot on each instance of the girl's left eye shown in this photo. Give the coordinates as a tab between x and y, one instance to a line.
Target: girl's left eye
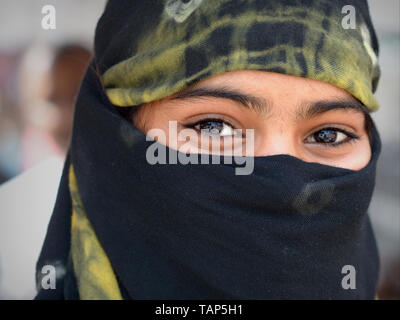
330	136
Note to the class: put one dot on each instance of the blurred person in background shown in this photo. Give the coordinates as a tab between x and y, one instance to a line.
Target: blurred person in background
48	81
47	100
9	141
10	121
390	288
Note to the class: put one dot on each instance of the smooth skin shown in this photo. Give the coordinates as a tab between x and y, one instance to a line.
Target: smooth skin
305	118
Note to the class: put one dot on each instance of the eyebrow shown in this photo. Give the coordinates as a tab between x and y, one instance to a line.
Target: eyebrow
258	104
310	110
261	105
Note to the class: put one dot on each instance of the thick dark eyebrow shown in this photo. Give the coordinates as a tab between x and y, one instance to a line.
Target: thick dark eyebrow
310	110
260	105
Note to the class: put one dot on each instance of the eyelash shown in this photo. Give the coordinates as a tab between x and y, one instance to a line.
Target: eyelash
192	125
351	137
210	119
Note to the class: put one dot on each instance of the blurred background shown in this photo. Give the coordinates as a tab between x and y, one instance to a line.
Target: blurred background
40	73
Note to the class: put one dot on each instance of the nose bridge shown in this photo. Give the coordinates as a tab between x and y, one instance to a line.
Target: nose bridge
278	146
278	139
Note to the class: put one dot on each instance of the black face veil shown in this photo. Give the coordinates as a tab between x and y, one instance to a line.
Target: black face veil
124	228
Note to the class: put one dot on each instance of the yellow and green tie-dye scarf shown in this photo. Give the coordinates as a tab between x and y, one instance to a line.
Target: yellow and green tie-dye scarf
193	40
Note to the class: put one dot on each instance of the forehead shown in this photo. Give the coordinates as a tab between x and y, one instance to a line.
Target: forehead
268	94
273	86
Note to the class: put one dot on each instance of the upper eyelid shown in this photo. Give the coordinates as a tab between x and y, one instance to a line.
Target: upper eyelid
329	128
210	117
334	126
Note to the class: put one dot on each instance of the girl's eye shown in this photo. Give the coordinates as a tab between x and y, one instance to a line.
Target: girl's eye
215	127
330	136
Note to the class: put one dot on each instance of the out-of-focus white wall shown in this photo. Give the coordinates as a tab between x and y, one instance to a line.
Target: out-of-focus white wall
20	22
385	206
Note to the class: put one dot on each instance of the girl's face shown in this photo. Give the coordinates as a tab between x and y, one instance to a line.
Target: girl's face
308	119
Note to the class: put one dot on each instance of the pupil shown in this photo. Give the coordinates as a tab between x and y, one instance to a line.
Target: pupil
325	136
212	126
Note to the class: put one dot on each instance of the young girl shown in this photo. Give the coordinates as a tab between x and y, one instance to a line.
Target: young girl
180	96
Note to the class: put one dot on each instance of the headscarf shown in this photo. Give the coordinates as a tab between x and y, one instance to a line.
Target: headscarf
123	228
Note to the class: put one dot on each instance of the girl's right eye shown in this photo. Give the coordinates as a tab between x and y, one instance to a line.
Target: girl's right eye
215	127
